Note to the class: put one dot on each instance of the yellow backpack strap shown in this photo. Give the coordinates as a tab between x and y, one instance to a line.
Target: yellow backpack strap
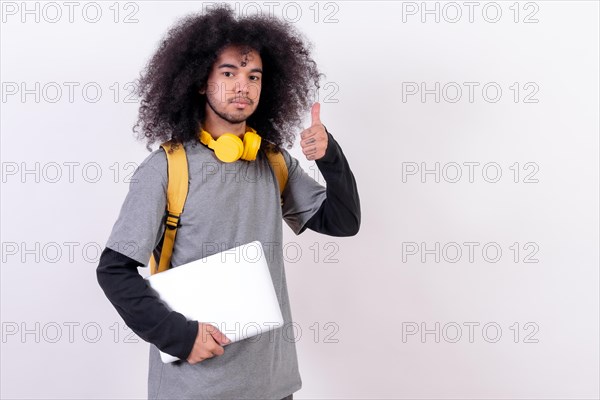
280	169
177	190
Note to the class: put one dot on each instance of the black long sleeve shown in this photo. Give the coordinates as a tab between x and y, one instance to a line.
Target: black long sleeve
140	307
339	215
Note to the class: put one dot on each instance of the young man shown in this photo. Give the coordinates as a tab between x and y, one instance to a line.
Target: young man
224	76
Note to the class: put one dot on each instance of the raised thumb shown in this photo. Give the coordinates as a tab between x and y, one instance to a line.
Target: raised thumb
316	113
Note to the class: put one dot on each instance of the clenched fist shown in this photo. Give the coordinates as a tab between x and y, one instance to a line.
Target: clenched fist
314	139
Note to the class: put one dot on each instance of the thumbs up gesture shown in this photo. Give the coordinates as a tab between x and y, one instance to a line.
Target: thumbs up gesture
314	139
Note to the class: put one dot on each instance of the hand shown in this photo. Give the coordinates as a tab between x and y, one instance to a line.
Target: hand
208	344
314	139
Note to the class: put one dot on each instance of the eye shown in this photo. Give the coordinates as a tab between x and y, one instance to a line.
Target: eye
227	72
255	78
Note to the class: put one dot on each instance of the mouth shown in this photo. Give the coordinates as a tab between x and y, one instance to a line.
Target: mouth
241	102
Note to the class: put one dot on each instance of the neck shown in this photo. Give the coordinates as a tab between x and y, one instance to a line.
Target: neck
218	126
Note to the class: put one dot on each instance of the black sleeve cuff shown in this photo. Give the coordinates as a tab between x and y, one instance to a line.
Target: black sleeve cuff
176	335
191	332
332	152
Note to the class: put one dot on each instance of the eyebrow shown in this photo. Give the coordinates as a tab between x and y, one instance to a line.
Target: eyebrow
234	67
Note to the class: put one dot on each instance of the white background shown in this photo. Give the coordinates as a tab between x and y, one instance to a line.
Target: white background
375	289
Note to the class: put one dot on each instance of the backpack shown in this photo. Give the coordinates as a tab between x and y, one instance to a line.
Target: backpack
177	189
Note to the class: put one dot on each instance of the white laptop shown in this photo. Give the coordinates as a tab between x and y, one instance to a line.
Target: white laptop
232	290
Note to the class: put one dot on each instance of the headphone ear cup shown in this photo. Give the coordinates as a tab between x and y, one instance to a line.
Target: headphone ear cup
251	145
228	147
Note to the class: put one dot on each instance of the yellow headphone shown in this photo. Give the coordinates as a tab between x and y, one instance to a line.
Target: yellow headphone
229	147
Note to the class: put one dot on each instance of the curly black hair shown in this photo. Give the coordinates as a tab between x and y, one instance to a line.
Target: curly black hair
171	106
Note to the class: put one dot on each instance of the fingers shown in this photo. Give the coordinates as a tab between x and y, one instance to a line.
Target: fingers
312	146
309	137
308	133
314	142
314	152
218	335
207	343
209	350
214	338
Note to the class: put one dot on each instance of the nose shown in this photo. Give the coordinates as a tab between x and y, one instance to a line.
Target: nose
242	86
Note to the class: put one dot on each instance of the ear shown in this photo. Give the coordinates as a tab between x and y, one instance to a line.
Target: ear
202	89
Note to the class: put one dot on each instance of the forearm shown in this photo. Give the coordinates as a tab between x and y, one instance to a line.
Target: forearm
141	309
339	214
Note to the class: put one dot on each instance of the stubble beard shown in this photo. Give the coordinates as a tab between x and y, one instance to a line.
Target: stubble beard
226	116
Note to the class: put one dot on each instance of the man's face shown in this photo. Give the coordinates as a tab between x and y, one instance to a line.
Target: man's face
234	85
